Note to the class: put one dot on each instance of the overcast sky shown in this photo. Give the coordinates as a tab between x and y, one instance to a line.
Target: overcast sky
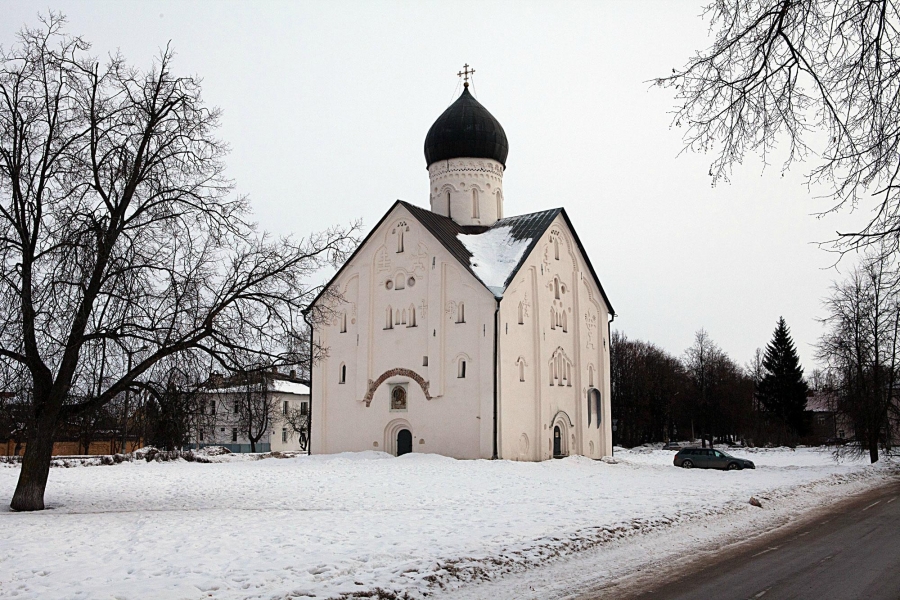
326	106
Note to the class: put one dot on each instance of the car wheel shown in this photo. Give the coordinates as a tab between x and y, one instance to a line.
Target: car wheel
687	464
733	466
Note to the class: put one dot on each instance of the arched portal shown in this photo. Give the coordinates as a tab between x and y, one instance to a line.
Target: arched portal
561	427
404	442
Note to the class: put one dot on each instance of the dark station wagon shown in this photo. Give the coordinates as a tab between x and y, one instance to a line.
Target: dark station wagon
709	458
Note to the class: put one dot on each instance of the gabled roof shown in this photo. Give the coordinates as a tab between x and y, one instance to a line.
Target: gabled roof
493	255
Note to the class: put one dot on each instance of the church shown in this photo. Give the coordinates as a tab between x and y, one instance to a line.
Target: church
460	331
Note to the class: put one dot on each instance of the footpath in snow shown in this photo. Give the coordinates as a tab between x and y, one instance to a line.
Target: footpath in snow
369	525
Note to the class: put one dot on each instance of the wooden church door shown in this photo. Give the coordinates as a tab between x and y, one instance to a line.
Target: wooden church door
404	442
557	442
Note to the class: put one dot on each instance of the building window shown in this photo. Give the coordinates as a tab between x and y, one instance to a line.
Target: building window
461	371
499	205
402	227
565	322
284	434
389	318
412	316
556	288
521	314
212	407
474	203
461	313
521	364
236	407
400	282
343	322
552	318
234	434
343	376
424	361
285	407
448	202
304	409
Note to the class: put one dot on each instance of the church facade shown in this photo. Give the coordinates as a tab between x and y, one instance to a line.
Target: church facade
460	331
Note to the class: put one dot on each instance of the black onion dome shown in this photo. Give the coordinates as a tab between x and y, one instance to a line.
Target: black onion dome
466	129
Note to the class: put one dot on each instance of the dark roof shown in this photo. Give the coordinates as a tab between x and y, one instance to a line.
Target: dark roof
466	129
522	227
446	230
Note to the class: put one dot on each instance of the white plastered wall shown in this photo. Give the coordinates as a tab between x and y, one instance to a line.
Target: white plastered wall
457	420
529	409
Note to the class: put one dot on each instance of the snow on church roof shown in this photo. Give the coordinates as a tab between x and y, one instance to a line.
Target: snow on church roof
495	255
492	254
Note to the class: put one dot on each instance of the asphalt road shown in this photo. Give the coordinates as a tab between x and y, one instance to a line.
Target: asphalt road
849	553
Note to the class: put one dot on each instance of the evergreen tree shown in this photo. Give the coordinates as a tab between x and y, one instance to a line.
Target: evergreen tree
782	390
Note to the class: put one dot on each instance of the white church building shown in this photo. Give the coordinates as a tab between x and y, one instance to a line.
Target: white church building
461	331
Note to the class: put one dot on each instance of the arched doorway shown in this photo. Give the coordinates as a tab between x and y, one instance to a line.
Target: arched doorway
557	442
404	442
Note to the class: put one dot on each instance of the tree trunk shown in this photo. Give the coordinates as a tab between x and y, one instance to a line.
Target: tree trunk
873	450
29	494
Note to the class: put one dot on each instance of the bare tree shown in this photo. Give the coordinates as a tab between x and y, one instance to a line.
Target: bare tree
256	404
860	347
120	237
297	419
822	76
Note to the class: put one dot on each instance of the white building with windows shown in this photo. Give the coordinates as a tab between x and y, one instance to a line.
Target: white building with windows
462	331
286	398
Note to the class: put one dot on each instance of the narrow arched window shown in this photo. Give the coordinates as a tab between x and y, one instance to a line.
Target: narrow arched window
400	282
448	203
499	204
342	378
565	322
397	317
521	314
521	370
403	317
389	318
590	400
461	313
552	318
556	288
400	240
474	203
412	316
461	372
591	375
556	248
343	322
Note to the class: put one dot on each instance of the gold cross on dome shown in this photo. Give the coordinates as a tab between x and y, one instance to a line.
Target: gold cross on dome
465	74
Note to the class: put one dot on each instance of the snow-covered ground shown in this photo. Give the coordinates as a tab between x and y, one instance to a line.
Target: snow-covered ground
327	526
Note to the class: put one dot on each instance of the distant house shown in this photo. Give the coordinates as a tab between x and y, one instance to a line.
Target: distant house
827	425
273	406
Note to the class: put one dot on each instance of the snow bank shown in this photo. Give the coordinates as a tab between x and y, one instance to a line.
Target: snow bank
332	526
